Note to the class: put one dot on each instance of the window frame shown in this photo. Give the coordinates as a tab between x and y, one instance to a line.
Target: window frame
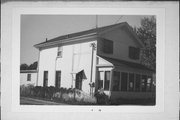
104	80
28	77
45	81
58	82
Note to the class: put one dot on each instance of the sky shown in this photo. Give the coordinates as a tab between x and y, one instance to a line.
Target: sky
36	28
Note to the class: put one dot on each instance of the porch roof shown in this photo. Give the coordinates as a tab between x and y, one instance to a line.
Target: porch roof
118	62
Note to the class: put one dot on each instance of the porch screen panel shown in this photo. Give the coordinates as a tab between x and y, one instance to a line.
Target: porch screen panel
138	82
124	78
107	80
100	79
131	81
144	83
116	81
149	84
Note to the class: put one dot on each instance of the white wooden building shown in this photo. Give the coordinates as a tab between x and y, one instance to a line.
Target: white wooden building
28	77
107	57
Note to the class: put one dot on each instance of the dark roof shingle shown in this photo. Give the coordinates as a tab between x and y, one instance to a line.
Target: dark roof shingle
95	30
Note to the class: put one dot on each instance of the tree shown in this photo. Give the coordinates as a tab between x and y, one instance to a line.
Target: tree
33	66
24	67
30	67
147	34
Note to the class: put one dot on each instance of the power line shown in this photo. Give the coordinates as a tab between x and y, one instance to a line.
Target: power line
118	19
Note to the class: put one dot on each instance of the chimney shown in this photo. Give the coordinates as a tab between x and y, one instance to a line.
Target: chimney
46	39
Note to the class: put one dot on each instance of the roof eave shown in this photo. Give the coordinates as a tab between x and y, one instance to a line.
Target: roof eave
67	40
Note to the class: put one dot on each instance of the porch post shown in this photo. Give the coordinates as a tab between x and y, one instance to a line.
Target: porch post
111	82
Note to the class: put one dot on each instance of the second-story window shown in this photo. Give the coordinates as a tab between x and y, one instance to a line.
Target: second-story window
134	53
107	46
60	50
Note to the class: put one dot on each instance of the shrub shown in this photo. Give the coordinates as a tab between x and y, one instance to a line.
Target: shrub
102	98
72	96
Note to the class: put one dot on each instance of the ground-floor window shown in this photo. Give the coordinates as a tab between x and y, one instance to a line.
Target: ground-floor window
45	83
58	79
104	80
78	83
28	77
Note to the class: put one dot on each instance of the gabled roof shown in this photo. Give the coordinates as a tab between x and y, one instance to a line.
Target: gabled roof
94	31
117	62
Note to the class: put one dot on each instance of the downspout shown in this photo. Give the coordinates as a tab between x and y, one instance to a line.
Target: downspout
111	79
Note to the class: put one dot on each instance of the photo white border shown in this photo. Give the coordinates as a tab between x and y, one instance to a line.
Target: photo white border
160	56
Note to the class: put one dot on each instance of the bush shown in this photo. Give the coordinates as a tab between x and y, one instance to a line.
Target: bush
71	96
102	98
26	90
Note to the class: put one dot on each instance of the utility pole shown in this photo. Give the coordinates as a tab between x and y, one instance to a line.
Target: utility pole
96	21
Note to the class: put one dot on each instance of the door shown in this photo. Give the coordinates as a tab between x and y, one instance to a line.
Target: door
78	83
45	83
58	79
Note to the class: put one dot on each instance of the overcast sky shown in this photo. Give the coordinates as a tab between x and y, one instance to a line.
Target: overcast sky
36	28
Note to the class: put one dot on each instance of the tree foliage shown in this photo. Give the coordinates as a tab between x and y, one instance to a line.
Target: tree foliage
24	67
30	67
147	34
33	66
